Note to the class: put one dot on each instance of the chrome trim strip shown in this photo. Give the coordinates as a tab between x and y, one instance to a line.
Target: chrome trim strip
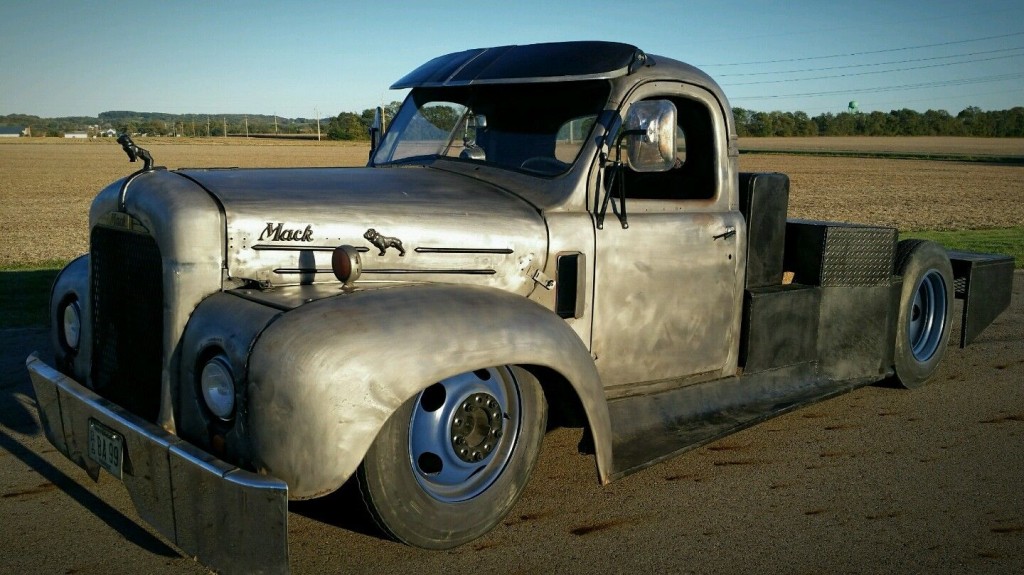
289	248
480	272
503	251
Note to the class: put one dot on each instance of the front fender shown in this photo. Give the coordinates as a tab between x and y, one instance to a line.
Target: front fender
325	377
72	283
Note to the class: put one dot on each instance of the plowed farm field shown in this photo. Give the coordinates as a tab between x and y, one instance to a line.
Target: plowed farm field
46	185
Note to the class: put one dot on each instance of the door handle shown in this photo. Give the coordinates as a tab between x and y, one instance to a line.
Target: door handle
728	233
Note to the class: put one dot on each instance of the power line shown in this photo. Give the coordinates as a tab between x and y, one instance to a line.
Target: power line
938	84
761	82
902	102
933	58
950	43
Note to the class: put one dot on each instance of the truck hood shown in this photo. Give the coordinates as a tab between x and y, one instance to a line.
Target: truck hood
410	225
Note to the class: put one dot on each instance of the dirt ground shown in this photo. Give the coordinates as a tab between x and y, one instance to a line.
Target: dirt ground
1007	147
878	480
47	185
907	194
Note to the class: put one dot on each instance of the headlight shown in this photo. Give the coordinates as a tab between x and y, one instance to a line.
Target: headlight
72	324
218	385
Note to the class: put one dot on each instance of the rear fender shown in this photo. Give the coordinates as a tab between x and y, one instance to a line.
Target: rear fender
325	377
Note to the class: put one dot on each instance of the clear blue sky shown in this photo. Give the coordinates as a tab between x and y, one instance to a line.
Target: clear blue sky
65	58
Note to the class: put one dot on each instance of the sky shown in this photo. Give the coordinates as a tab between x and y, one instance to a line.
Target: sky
307	59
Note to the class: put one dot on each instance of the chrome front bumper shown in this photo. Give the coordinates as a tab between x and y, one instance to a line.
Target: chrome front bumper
229	519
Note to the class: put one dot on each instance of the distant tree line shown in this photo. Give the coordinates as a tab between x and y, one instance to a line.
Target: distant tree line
160	124
352	126
971	121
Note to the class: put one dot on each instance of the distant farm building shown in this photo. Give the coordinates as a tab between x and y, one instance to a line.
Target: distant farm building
14	132
77	135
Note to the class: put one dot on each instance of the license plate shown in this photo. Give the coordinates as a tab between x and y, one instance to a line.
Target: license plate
106	447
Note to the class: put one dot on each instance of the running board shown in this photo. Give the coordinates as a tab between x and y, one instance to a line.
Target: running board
651	428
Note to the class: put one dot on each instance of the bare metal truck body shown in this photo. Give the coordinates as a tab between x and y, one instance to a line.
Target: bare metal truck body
547	234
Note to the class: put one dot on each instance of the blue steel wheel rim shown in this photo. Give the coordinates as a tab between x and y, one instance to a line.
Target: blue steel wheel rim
463	433
927	318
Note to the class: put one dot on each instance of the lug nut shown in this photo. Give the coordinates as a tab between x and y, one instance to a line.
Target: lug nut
457	422
458	440
463	452
496	433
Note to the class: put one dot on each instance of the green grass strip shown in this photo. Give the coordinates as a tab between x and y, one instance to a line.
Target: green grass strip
1009	241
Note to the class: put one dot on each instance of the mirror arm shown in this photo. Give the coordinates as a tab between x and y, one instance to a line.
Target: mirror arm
621	182
615	184
600	208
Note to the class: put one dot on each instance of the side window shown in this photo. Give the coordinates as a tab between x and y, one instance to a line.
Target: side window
693	176
571	136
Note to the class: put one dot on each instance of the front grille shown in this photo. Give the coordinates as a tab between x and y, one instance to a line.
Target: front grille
127	314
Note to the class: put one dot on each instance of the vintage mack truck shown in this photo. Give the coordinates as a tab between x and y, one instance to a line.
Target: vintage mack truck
545	235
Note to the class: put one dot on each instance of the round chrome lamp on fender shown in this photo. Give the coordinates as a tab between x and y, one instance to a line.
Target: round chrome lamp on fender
217	384
71	326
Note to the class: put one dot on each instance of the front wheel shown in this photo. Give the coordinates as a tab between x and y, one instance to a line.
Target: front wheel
926	309
452	461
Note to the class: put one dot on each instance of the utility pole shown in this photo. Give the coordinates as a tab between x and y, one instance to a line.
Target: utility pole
247	126
207	126
316	112
275	124
225	120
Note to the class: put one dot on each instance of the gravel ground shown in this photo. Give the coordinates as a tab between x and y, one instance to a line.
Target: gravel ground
878	480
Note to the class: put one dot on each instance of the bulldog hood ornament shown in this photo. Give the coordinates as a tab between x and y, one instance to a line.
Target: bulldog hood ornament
134	152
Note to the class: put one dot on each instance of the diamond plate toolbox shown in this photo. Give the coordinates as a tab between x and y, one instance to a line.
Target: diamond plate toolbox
831	254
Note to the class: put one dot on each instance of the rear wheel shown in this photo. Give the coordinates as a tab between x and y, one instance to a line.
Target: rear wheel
453	460
926	308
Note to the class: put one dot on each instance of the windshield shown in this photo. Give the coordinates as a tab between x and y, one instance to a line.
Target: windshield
538	128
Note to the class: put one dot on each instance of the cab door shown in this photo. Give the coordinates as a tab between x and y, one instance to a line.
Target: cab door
668	288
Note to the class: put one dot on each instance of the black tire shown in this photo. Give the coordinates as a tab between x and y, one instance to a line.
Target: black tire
926	310
425	488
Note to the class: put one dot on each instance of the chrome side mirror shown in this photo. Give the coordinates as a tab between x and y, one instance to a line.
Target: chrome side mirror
649	135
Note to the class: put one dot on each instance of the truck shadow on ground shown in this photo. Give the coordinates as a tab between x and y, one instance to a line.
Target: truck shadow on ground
130	530
16	393
343	509
19	418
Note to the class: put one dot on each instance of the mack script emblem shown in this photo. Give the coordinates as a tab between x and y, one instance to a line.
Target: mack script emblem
278	233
